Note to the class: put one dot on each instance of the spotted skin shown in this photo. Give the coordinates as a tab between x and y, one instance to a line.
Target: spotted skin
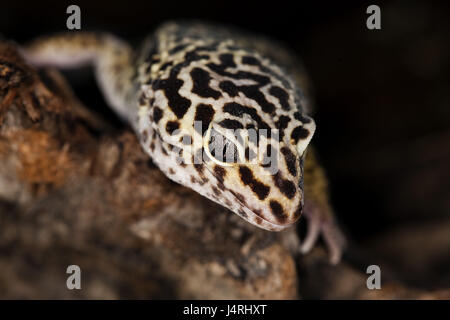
226	79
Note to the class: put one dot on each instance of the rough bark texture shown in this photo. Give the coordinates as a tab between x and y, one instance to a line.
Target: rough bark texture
74	190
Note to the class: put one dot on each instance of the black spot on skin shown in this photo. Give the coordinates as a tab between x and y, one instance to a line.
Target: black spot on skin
171	86
250	91
165	66
203	113
278	211
240	197
238	110
157	114
204	180
201	79
282	124
231	124
251	61
193	56
281	95
286	187
152	146
214	197
242	213
258	220
178	48
229	87
247	178
171	171
257	212
220	173
144	135
171	126
193	179
300	117
211	47
254	93
221	186
220	69
232	48
142	99
228	203
290	159
299	133
227	60
216	191
199	167
181	163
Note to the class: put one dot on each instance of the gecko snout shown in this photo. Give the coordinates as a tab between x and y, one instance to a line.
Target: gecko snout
272	202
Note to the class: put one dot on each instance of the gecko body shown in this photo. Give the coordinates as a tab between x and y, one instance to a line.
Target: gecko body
223	79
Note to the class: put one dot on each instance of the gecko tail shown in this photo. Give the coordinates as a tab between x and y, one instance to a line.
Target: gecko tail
72	50
111	58
64	50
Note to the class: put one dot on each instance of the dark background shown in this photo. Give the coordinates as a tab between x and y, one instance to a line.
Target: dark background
383	97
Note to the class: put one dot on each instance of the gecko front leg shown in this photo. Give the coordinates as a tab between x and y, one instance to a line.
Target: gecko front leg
318	211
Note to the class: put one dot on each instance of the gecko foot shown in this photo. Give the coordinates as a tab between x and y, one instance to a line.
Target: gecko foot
321	222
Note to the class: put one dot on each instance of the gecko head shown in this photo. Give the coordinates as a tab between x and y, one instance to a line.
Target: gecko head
258	174
252	129
245	159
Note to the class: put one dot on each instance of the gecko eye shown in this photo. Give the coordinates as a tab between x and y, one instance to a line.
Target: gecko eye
222	147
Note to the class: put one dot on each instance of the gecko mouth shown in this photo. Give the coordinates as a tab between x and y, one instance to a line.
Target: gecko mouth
258	218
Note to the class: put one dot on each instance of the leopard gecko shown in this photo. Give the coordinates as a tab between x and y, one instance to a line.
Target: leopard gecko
222	78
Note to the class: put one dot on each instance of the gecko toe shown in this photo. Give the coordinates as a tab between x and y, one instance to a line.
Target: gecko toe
334	240
312	234
321	222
